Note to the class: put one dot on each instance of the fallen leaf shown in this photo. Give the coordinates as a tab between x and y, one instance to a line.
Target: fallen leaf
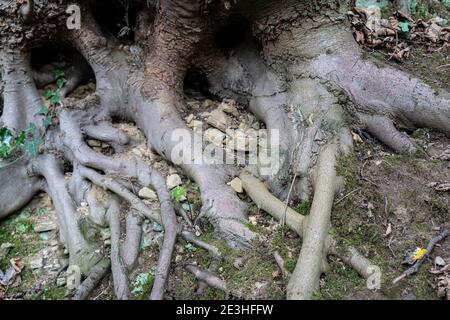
388	230
275	274
17	264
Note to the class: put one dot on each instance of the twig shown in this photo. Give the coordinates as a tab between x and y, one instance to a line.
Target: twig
283	221
418	263
347	195
280	262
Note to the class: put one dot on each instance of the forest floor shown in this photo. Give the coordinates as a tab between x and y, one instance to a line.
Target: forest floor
390	207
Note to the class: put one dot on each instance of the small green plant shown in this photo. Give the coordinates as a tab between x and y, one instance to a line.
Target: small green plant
54	96
9	143
28	141
178	193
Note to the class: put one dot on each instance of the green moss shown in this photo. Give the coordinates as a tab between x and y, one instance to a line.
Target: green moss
339	281
303	208
52	293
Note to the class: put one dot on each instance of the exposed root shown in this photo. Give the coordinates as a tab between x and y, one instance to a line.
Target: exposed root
212	250
384	130
18	188
81	252
258	192
207	277
305	278
94	278
280	262
119	271
131	245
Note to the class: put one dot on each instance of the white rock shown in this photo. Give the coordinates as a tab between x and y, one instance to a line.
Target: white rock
215	136
218	119
147	193
229	108
173	181
189	118
439	261
36	262
178	259
236	184
60	282
253	220
207	103
94	143
44	226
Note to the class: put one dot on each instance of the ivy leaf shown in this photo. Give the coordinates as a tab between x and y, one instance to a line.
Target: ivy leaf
404	26
56	98
58	74
43	111
20	138
48	121
61	82
178	193
32	146
48	94
31	129
6	142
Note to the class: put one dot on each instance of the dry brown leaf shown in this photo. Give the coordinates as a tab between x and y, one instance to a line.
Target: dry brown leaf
17	264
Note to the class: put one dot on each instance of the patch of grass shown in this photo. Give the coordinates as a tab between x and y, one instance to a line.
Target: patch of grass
339	281
18	231
52	293
304	208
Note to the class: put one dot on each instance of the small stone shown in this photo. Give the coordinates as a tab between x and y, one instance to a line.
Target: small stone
60	282
236	184
178	258
218	119
238	262
196	125
147	193
107	243
189	118
173	181
193	104
44	226
215	136
439	261
94	143
36	262
229	108
253	220
4	249
207	103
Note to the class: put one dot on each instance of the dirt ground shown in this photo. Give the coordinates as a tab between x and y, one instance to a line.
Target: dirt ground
391	205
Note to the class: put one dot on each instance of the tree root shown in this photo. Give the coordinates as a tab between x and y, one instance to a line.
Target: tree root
94	278
305	278
207	277
258	192
119	271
